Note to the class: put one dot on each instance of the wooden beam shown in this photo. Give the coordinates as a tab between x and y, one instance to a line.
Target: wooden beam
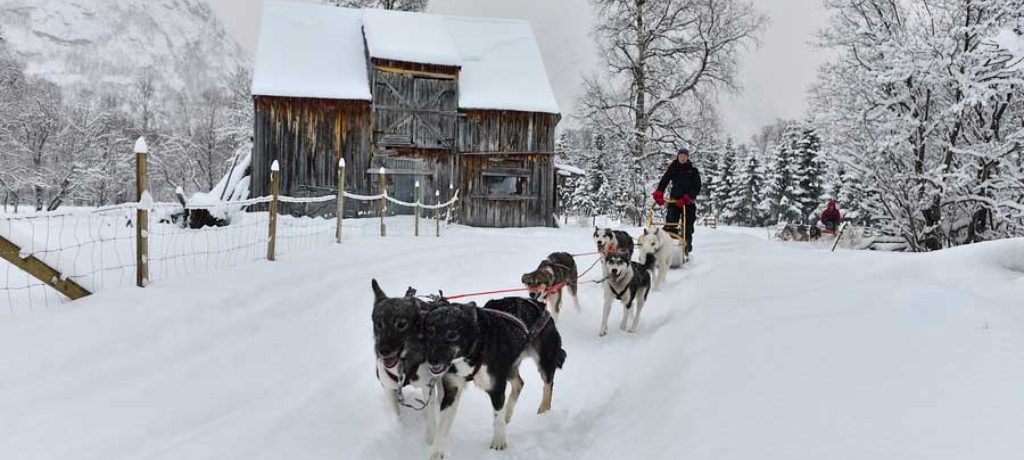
505	153
41	271
418	73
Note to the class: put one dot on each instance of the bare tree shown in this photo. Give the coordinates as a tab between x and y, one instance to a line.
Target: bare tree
664	61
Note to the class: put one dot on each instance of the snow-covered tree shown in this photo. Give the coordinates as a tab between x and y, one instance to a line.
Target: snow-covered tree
749	190
923	106
663	60
726	183
400	5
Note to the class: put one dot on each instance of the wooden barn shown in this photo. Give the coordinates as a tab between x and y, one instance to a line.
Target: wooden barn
450	102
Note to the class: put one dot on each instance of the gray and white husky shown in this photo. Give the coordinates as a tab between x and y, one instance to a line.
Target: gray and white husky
658	242
398	337
629	282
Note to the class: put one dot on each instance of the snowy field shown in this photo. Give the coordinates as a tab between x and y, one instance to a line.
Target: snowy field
756	350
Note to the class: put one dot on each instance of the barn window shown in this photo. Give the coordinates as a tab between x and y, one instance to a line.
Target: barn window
506	183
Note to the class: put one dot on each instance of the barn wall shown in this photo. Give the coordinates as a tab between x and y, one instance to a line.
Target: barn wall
487	131
307	136
495	141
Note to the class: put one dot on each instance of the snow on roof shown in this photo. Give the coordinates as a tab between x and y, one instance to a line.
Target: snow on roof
308	50
571	170
501	66
409	37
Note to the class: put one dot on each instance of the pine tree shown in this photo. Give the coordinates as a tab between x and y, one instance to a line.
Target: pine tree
808	173
725	183
749	190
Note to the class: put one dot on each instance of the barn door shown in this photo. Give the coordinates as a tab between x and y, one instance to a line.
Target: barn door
413	111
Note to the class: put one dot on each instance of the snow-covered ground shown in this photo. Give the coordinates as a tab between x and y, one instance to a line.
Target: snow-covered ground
757	350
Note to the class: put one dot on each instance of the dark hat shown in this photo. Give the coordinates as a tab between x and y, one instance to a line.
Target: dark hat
683	150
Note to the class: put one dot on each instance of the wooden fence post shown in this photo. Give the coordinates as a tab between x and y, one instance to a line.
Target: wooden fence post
437	213
416	210
141	215
383	209
275	190
341	197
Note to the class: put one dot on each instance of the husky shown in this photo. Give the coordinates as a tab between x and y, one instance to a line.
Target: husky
628	282
485	346
658	242
609	240
546	283
401	351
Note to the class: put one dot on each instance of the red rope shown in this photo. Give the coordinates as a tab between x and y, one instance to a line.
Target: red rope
499	291
586	254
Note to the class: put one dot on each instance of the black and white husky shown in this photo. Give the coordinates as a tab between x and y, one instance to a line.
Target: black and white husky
658	242
485	346
401	351
609	241
628	282
554	274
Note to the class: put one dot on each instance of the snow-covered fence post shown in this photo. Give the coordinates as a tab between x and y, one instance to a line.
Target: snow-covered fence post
341	197
141	214
416	210
448	211
437	213
383	208
275	190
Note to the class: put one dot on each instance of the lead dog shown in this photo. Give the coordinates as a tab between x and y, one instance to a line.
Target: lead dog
401	351
659	243
556	272
628	282
485	346
609	241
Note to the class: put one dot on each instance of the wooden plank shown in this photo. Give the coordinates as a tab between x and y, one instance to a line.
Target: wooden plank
418	73
41	271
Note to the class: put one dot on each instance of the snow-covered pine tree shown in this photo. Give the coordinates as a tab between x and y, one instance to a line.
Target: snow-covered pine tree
726	183
781	186
808	173
748	189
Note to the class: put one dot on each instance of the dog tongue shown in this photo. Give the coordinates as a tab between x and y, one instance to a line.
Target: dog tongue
437	369
391	362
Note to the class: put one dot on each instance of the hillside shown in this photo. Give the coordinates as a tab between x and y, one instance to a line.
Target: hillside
104	45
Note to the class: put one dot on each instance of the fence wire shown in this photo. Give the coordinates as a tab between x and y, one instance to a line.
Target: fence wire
96	247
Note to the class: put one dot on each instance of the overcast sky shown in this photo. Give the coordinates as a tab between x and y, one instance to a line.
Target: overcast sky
775	76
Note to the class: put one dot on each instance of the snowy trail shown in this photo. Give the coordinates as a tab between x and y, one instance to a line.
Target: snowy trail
745	354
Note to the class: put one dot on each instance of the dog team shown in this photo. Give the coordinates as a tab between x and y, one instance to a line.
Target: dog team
439	346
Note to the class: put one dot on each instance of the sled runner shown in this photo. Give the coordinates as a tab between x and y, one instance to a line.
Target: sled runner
677	230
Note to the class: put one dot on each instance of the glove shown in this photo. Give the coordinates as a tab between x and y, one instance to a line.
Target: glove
659	197
685	200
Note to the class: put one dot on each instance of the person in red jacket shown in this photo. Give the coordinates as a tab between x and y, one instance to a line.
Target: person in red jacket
685	179
831	217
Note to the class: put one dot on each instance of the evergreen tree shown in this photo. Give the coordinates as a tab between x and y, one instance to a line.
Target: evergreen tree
807	192
725	183
749	190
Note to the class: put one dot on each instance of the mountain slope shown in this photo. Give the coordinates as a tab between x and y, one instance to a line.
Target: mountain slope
104	45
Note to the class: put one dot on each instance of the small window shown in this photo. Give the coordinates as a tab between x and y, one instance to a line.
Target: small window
506	185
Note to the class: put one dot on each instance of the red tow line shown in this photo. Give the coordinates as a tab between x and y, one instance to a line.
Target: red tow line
500	291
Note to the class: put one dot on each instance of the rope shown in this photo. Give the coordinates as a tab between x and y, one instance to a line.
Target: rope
307	200
355	196
499	291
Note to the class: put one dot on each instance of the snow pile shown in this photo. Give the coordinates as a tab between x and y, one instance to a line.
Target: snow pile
409	37
501	66
756	350
1013	43
310	51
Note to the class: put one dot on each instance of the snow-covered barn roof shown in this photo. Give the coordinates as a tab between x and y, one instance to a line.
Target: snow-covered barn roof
409	37
299	54
318	51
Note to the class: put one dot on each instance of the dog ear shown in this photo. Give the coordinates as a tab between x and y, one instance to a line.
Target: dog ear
646	232
411	292
378	293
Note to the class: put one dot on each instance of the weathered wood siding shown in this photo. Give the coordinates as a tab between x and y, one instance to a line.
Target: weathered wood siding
307	137
433	168
514	143
532	209
485	131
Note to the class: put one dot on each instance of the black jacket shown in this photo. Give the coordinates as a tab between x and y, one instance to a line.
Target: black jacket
685	179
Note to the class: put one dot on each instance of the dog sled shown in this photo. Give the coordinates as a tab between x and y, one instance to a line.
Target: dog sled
676	230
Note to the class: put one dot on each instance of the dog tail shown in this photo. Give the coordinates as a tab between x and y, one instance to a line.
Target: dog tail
649	262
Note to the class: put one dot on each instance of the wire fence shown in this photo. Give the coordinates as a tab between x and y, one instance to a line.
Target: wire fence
95	248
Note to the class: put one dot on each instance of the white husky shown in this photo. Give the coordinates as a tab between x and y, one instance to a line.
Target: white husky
658	242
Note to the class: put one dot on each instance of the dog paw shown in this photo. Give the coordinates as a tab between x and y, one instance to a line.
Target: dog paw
437	456
632	330
602	333
543	409
499	444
